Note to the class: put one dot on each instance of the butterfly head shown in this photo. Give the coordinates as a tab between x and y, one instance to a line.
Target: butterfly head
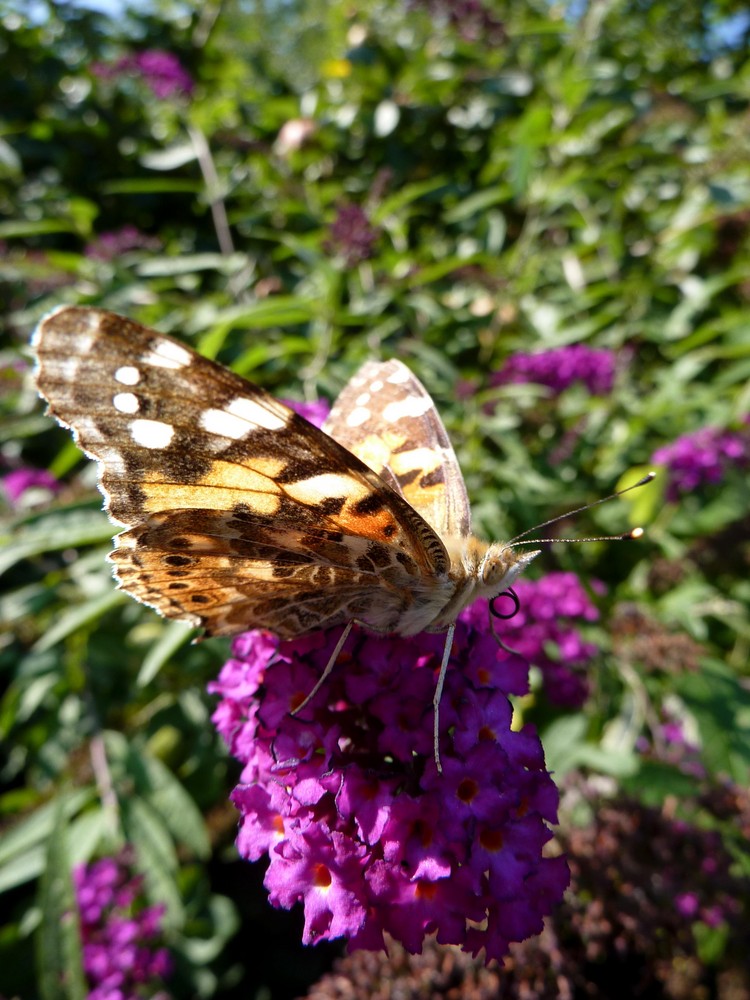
501	566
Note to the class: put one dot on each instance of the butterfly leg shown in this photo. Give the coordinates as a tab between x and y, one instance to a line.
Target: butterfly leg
438	688
334	656
439	694
329	666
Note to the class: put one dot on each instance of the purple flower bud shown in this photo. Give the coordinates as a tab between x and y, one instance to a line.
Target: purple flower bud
351	235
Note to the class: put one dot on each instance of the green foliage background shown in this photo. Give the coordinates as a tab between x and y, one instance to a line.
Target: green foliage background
583	179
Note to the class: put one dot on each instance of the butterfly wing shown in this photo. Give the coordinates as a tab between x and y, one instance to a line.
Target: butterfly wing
386	417
239	512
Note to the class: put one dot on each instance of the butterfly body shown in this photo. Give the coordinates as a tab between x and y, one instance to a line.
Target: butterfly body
240	514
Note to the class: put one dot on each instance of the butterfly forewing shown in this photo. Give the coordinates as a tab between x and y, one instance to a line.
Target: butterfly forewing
239	512
386	417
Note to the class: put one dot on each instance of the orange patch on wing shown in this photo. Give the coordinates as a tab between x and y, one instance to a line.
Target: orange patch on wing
414	493
379	525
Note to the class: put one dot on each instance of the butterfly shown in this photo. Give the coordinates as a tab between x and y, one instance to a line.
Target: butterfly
239	514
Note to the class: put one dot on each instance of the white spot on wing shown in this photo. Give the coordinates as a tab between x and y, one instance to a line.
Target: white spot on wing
224	424
168	354
357	417
411	406
255	414
127	375
363	399
126	402
377	385
151	433
400	375
329	484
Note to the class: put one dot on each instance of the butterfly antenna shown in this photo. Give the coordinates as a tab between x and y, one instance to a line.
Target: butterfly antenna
635	533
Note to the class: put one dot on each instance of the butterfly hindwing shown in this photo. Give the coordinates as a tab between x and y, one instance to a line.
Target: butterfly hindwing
386	417
239	512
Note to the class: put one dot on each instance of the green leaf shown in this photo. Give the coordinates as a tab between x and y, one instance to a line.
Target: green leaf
190	263
721	706
148	833
174	636
58	939
220	924
37	827
61	530
76	617
169	800
561	741
475	204
23	229
169	158
23	868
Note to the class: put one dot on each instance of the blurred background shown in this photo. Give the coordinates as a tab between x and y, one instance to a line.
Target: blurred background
543	209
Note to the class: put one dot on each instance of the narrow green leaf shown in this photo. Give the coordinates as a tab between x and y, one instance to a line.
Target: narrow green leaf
78	616
721	705
190	263
474	205
148	833
22	868
156	784
174	636
39	825
58	939
561	742
60	530
22	228
220	923
170	158
156	185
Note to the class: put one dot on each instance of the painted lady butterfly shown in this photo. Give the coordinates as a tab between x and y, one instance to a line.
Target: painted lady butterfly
240	514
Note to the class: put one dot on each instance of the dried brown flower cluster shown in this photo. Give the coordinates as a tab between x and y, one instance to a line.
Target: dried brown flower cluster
646	889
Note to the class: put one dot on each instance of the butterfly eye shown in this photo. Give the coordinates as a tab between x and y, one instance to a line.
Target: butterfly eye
510	592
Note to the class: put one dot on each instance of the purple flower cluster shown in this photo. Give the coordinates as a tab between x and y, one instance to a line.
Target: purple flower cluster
351	235
348	804
471	18
23	486
120	935
560	368
161	71
701	457
109	245
543	632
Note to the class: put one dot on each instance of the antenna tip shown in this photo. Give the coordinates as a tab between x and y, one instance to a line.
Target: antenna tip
634	534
